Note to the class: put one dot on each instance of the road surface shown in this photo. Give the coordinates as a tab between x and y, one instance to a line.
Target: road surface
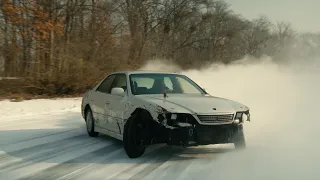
42	142
56	146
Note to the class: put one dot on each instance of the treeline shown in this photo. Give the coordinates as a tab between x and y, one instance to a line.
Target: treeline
63	46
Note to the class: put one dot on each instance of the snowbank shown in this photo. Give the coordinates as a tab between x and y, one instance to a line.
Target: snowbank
38	107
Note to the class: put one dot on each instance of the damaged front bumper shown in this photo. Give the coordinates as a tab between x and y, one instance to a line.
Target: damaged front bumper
203	135
193	130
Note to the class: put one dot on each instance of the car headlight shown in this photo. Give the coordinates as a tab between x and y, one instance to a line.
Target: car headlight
243	116
239	115
247	118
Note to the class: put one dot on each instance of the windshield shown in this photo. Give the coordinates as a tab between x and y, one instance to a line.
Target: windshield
163	83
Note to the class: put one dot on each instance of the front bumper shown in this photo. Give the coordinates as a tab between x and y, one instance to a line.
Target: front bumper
203	134
192	130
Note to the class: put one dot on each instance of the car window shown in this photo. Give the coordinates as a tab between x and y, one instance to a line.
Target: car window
105	86
120	81
142	82
150	83
186	86
168	83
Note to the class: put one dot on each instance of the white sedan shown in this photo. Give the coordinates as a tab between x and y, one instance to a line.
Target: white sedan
142	108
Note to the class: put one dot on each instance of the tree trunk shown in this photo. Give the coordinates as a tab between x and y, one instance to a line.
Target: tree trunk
6	49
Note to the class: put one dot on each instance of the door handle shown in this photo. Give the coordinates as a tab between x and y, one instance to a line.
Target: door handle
108	102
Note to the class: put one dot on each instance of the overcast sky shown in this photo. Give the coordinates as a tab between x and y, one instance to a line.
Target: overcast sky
304	15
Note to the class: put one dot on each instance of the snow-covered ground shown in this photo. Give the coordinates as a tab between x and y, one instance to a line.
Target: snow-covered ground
38	107
46	139
28	119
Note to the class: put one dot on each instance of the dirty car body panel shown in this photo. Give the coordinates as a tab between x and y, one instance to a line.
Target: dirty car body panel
179	111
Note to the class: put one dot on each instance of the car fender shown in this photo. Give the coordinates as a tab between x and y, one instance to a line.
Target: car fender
85	101
135	104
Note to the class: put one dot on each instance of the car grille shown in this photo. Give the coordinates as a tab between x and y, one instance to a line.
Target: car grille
207	134
216	118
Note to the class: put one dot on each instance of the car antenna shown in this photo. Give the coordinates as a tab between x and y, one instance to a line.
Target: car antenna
165	94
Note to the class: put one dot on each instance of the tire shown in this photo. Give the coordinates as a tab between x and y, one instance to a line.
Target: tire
239	140
90	124
130	137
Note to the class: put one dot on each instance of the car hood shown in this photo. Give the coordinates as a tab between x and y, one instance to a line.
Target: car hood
195	104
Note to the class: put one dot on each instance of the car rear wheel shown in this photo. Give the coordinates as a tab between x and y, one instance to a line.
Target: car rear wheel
90	124
132	139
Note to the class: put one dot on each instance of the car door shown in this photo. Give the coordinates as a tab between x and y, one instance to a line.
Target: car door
100	103
118	103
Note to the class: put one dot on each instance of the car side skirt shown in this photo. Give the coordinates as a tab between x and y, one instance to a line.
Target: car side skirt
109	133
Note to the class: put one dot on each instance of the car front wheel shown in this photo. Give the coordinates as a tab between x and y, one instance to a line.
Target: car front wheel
132	138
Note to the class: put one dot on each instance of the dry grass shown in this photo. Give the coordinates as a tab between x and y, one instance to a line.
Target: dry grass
18	90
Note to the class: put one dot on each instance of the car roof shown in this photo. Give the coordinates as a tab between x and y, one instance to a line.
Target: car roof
144	72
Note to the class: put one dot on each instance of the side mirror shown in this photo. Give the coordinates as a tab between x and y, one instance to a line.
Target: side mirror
117	91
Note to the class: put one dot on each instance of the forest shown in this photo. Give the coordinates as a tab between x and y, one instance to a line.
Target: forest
63	47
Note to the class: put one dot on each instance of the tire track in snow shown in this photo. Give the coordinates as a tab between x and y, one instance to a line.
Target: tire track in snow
74	165
156	159
48	145
38	137
116	164
38	140
71	154
41	152
60	157
108	160
151	167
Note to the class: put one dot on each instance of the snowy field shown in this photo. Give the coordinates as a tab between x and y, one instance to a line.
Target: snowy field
46	139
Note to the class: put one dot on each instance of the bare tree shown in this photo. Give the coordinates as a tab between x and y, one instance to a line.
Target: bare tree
64	46
256	36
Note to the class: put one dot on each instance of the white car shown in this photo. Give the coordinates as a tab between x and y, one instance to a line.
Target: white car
142	108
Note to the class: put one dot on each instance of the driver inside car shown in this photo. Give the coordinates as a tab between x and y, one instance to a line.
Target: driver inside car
159	87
